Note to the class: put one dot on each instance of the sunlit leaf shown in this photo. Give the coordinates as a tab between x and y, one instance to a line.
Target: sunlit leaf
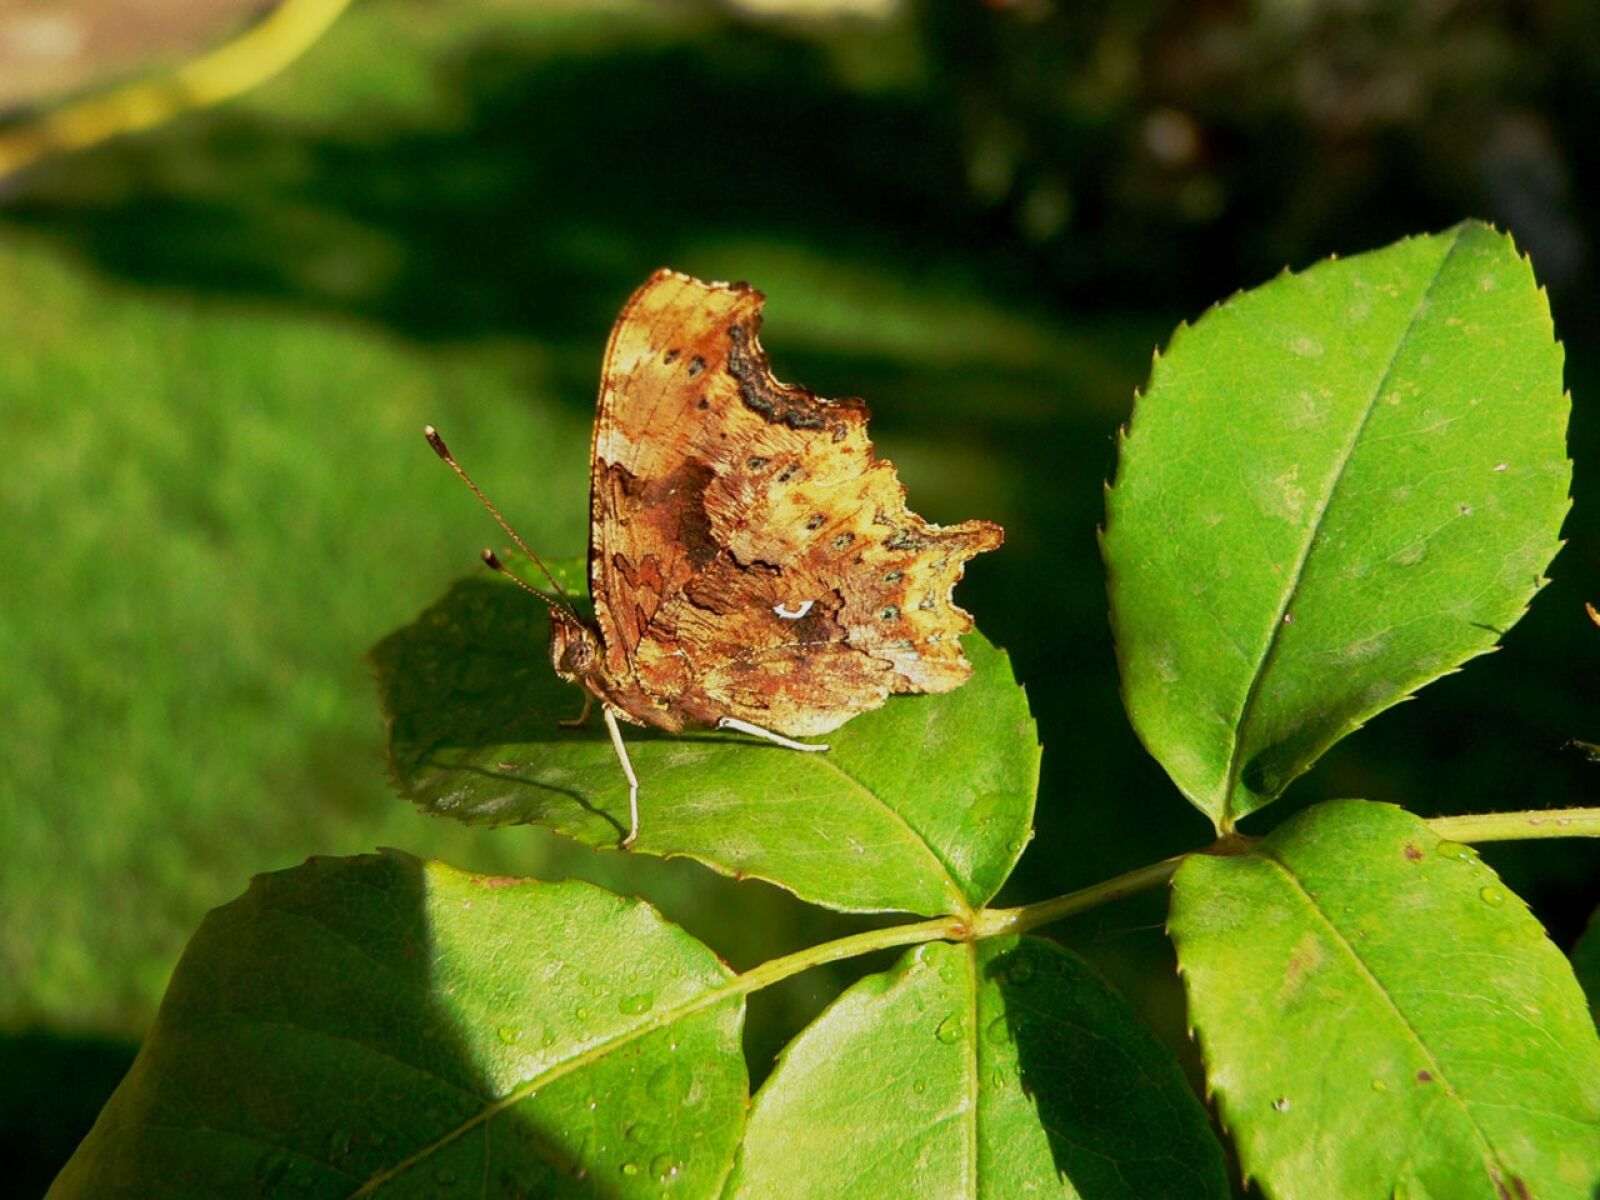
1380	1016
1338	487
1000	1069
923	805
385	1027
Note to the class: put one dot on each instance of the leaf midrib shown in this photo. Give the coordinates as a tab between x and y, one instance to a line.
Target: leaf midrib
1297	575
1449	1092
733	988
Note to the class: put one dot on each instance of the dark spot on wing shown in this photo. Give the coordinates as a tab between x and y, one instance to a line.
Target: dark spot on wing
780	405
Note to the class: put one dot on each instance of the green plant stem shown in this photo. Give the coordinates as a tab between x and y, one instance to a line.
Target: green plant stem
252	58
1519	826
996	922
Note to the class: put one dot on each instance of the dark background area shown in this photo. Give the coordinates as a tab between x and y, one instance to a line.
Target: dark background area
980	217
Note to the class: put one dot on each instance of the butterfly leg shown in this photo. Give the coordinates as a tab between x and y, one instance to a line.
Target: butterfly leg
627	770
582	719
738	726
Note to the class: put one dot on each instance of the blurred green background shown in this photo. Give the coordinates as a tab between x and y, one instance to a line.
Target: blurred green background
219	340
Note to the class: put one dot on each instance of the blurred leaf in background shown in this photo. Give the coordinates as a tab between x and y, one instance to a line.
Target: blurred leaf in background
221	339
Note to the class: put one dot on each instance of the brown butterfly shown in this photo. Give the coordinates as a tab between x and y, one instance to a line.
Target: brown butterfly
753	567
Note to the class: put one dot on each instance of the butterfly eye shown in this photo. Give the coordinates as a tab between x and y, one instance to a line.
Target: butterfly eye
578	657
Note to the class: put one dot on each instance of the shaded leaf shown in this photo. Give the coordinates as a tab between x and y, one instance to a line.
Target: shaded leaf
1380	1016
923	805
1338	487
385	1027
1586	964
997	1069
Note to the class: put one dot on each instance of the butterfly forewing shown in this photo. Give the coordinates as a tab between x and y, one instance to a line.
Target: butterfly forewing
749	557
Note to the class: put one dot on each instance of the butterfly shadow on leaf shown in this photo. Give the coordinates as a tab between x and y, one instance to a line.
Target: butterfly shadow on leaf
475	712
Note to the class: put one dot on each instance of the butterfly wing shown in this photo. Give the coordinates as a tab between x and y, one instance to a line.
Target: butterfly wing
749	556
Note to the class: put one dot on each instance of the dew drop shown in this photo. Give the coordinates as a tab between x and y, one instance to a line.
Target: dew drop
641	1133
580	1013
1281	1104
919	1086
665	1166
636	1004
1492	896
509	1034
630	1168
1019	972
1379	1085
949	1030
999	1031
1455	851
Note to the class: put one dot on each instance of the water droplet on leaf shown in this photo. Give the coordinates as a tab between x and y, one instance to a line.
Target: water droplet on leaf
1492	896
949	1030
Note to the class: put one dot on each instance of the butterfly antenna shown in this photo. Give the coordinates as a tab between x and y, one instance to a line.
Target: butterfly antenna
492	561
443	451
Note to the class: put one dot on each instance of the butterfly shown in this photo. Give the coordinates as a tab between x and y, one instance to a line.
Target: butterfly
752	566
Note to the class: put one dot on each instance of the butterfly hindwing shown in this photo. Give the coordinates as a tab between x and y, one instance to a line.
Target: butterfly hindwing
749	556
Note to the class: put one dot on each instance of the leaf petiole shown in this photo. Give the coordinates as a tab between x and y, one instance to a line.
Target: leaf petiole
998	922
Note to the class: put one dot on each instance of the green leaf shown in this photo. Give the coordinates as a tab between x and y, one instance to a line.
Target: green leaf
1586	964
1338	487
381	1026
923	805
1380	1016
997	1069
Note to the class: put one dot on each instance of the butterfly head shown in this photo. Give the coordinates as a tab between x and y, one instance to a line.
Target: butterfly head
573	649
